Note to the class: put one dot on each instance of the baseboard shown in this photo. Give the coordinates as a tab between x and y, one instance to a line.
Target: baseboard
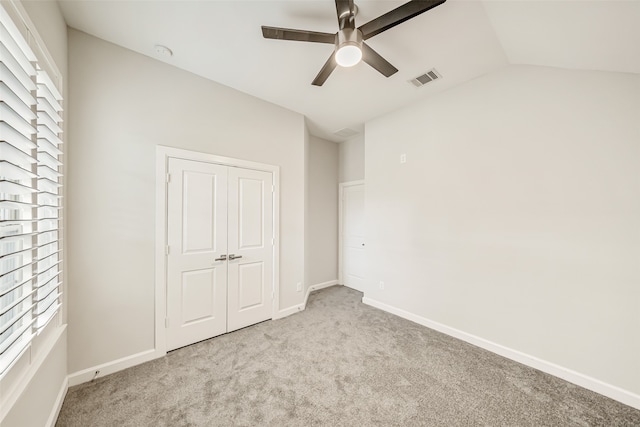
611	391
89	374
288	311
55	411
299	307
317	287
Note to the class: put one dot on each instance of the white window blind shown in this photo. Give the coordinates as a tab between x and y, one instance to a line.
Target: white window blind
30	201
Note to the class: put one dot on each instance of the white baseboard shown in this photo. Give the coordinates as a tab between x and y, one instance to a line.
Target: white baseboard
611	391
55	411
317	287
288	311
88	374
300	307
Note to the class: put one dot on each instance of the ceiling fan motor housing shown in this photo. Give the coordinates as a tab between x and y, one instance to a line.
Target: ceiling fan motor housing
349	37
348	47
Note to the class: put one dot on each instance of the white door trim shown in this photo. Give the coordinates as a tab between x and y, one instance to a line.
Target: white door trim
341	188
162	166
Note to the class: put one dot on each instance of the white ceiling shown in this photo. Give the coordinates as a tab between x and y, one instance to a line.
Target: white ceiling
222	41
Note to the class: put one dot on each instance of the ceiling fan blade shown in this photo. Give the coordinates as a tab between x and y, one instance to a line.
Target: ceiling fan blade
326	71
397	16
297	35
374	59
346	17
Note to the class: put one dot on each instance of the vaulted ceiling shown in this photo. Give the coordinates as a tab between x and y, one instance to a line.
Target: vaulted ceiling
461	39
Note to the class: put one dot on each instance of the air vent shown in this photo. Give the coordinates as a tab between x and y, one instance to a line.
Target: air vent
346	133
425	78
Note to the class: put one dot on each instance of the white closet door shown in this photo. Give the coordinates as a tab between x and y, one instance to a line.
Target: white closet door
250	200
353	236
197	238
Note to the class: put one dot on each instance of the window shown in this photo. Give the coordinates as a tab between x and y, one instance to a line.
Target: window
30	201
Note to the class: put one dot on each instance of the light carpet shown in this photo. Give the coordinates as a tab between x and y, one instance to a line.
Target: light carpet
338	363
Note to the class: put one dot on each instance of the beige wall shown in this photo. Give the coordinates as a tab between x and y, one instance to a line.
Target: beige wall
351	153
322	216
515	217
30	393
123	104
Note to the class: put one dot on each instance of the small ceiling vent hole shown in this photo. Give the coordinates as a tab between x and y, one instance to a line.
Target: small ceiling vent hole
425	78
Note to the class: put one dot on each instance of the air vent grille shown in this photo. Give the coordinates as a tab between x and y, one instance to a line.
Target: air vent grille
425	78
346	133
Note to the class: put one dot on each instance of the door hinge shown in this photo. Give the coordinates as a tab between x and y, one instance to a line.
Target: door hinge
167	249
273	188
168	178
166	322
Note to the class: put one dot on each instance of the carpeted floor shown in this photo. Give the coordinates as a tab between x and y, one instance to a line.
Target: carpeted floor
338	363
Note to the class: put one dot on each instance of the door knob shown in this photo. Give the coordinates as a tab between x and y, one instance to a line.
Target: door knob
234	256
222	258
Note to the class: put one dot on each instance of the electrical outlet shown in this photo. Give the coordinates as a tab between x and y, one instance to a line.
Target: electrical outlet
403	158
299	287
381	284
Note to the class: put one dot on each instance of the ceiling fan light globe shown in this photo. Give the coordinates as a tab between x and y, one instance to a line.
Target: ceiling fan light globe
348	55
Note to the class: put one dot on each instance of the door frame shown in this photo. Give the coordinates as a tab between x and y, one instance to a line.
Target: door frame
163	154
341	188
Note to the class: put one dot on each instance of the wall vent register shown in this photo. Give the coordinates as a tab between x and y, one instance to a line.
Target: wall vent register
425	78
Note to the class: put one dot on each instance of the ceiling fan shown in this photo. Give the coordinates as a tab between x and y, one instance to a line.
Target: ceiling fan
349	43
